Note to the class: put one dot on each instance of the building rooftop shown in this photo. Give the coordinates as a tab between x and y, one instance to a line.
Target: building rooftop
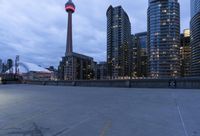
78	55
77	111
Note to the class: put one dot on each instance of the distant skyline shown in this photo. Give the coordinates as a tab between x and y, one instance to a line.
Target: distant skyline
36	30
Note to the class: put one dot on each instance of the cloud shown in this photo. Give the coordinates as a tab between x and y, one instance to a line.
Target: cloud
36	30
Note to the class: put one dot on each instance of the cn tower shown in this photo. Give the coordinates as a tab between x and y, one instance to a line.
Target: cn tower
70	9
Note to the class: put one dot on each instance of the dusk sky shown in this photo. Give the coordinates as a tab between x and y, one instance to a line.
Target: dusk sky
36	29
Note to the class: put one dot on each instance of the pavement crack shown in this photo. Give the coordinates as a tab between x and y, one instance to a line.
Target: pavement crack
35	130
68	129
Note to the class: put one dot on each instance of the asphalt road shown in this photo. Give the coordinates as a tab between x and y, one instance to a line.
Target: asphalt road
27	110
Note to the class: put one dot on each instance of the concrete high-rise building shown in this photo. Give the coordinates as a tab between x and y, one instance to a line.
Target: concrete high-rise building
118	43
142	58
195	37
164	38
185	53
134	54
74	66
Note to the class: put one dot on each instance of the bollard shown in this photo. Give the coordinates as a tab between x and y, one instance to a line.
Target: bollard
172	83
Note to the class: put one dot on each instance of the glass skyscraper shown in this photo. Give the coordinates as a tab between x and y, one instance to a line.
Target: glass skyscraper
195	37
164	38
118	43
195	7
141	44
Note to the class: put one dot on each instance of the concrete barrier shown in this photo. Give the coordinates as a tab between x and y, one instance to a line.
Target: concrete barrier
10	79
188	83
103	83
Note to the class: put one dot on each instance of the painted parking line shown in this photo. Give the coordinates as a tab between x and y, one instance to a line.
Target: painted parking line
107	126
180	114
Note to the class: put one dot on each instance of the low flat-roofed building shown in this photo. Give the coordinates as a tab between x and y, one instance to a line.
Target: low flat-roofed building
76	67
